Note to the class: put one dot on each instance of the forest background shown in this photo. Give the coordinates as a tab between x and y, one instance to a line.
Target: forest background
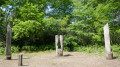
36	22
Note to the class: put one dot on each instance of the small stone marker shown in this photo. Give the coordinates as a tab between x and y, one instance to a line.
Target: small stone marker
20	59
109	53
59	52
8	43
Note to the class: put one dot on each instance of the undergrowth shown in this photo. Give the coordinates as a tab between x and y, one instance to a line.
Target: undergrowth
93	49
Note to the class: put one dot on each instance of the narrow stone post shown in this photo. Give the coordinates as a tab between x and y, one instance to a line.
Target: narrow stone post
20	59
8	43
56	43
59	52
109	53
61	43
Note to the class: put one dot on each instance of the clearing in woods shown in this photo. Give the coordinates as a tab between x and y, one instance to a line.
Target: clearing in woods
70	59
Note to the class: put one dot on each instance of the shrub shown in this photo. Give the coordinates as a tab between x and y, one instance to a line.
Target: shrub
2	50
116	48
14	49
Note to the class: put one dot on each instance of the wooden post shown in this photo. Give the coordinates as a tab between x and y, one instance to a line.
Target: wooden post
20	59
8	43
109	53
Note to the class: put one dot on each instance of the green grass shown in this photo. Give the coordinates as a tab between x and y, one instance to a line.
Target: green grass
28	54
90	49
13	55
98	50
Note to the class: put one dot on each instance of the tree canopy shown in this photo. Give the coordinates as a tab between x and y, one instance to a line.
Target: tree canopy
36	22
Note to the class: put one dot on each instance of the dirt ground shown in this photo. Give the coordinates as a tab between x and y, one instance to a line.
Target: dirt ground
70	59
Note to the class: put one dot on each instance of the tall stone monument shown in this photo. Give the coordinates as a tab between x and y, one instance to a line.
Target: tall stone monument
109	53
59	52
8	42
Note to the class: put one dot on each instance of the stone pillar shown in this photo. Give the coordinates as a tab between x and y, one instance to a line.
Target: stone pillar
8	42
59	52
109	53
20	59
61	43
56	43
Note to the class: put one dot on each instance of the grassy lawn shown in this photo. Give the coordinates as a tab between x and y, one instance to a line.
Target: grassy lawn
29	54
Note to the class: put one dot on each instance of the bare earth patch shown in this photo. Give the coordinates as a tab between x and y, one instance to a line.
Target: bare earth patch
70	59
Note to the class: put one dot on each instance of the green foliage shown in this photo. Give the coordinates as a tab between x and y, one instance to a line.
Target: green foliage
59	8
57	26
36	22
29	48
95	49
2	50
30	12
91	49
89	18
26	29
70	42
14	49
38	48
2	2
78	34
47	47
29	25
2	25
116	48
